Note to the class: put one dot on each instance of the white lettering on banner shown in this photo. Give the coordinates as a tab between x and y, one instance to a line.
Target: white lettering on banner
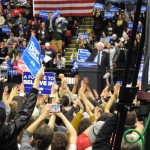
34	52
25	77
43	83
50	83
30	77
28	81
32	63
51	78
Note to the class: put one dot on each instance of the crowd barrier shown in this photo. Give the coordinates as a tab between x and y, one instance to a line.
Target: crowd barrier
117	74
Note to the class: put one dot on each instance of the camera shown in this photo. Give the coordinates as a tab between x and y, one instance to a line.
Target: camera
56	109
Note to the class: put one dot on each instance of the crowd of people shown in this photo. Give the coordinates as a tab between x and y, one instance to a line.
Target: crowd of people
20	25
85	119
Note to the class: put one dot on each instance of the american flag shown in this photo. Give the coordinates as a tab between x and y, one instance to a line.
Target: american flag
66	7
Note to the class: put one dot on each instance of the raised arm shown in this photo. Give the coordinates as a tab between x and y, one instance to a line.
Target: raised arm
71	130
26	111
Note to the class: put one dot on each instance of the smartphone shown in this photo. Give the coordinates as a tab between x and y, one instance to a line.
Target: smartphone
56	109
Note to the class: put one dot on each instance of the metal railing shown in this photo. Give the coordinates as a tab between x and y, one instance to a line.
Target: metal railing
117	74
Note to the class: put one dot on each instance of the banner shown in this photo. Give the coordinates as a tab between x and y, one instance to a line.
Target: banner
32	56
6	29
98	6
56	13
130	25
113	9
82	36
43	14
108	15
83	54
45	85
21	49
143	9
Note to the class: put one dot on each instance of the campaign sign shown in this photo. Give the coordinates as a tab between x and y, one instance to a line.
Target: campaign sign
130	25
83	54
43	14
45	85
56	13
32	56
82	36
3	2
113	9
87	65
140	72
5	29
143	9
98	6
21	49
108	15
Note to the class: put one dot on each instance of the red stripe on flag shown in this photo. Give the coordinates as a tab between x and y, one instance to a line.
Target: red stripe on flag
63	2
69	5
63	8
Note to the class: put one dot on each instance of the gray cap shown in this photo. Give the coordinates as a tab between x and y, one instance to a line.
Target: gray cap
95	130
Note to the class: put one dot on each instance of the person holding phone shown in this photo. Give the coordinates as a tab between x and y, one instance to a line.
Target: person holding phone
59	61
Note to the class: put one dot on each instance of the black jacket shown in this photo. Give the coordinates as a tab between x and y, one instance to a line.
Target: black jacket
9	133
105	62
103	137
47	23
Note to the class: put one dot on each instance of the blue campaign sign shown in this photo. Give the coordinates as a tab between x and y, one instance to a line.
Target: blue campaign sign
143	9
43	14
21	50
113	9
98	6
120	82
6	29
108	15
56	13
3	2
140	72
130	25
83	36
32	56
87	65
45	85
83	54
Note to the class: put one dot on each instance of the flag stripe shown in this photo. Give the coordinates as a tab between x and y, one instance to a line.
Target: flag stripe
62	2
66	7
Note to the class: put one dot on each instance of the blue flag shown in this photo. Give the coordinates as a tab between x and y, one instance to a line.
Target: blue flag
32	56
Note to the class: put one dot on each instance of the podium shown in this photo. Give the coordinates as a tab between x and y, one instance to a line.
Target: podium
94	73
